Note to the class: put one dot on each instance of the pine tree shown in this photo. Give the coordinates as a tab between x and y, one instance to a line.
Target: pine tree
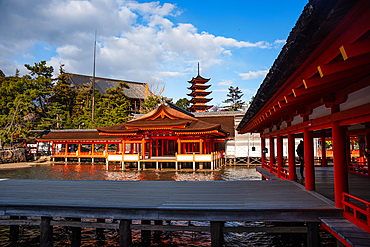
234	98
183	103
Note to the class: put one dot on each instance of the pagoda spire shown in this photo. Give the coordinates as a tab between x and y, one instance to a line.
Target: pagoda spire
198	68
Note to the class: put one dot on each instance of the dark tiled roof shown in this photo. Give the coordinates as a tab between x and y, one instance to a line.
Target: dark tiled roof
227	122
75	135
137	90
316	21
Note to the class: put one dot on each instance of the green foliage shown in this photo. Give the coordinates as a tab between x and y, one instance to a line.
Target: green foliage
36	101
234	98
113	108
151	103
183	103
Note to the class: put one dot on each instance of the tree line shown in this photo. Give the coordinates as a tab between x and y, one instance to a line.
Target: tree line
36	101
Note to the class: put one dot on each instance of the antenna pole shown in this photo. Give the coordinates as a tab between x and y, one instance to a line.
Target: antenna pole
93	83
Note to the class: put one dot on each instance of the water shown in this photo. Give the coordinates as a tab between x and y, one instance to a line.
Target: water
29	235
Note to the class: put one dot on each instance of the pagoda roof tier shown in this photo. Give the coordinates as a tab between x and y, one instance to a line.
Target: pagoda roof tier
199	86
163	118
200	100
200	107
198	92
199	79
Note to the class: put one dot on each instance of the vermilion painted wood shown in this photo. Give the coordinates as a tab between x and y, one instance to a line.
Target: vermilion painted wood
340	164
327	50
291	157
354	215
309	160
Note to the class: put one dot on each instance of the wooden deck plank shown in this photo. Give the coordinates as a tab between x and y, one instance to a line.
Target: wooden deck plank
181	200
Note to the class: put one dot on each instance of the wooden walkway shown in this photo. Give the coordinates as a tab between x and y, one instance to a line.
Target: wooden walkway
216	201
155	200
345	231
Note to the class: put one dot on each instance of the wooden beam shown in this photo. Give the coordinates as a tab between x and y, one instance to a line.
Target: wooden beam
354	49
46	232
217	237
125	233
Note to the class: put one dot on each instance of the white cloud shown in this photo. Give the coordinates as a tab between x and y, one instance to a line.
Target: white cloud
135	40
225	83
253	74
279	43
220	90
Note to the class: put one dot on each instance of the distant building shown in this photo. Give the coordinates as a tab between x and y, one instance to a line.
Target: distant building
198	94
137	91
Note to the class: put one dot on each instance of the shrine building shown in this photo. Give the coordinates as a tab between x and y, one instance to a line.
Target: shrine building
319	89
164	135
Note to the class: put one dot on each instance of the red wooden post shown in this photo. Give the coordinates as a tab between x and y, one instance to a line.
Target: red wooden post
156	147
178	146
162	142
263	155
272	155
340	164
280	159
143	148
291	157
151	148
167	146
309	160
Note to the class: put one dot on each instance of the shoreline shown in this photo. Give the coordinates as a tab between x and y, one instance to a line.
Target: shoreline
7	166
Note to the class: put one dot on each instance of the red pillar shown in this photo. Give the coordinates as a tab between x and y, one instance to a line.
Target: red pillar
156	147
340	162
279	150
272	155
162	141
151	148
263	155
143	143
291	157
309	160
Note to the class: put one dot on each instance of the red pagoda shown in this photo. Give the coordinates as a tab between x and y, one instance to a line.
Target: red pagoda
198	94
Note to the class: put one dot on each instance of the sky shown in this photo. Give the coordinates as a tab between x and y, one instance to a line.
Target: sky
160	42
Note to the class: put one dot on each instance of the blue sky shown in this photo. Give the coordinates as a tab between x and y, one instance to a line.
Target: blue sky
236	42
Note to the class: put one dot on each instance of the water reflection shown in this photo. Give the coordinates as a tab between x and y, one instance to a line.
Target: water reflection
29	235
99	172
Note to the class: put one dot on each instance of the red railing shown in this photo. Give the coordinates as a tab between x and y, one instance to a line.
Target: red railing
274	169
357	211
361	168
284	174
266	165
